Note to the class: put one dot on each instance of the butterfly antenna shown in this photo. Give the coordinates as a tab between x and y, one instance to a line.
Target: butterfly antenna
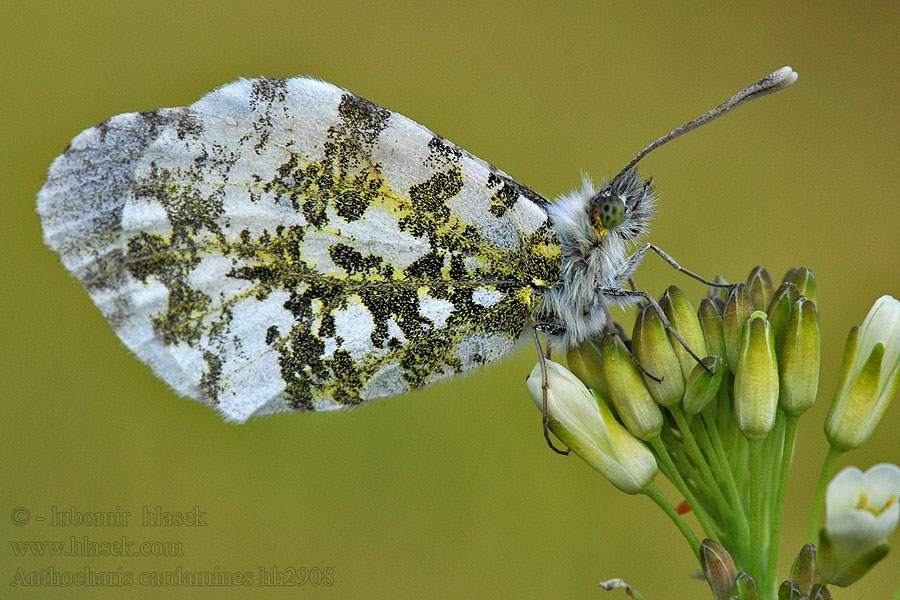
773	82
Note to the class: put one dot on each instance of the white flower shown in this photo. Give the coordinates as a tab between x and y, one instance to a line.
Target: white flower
861	512
870	376
588	427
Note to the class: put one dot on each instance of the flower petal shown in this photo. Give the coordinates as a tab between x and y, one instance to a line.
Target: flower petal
843	492
855	527
881	483
882	324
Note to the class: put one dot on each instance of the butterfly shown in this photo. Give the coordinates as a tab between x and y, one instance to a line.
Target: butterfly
283	244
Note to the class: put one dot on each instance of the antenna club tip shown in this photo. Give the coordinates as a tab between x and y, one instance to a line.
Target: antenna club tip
784	77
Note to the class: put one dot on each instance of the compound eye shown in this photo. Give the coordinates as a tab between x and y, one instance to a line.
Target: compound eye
611	210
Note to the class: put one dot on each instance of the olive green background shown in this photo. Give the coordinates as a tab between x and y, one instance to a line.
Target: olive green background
451	491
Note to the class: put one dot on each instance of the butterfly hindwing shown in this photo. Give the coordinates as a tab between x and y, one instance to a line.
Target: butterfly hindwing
284	244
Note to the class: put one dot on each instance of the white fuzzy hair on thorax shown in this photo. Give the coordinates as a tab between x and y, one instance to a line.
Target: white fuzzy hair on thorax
591	259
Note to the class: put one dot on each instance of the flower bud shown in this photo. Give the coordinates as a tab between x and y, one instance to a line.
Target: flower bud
788	590
779	310
651	347
861	512
737	311
756	379
803	571
589	429
805	281
720	304
584	362
759	285
710	316
702	387
633	402
718	567
745	587
820	592
798	360
683	319
870	376
717	291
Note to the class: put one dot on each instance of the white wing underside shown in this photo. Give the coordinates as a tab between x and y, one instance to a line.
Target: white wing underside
200	233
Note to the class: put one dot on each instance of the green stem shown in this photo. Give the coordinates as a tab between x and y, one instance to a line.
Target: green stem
705	443
654	494
702	463
730	483
790	432
756	493
669	469
702	437
773	445
686	468
824	477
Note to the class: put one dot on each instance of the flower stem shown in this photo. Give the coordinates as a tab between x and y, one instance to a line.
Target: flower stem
756	493
671	471
730	484
654	494
702	463
790	431
773	447
827	468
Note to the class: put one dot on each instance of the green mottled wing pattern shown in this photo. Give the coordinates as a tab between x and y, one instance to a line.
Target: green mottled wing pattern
283	244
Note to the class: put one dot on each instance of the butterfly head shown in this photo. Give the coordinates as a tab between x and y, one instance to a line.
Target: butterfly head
607	211
616	213
624	206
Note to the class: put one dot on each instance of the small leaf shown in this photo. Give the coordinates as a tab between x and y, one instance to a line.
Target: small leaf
616	583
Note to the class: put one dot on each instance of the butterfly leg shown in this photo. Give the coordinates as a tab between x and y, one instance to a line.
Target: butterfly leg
623	293
545	383
638	255
611	328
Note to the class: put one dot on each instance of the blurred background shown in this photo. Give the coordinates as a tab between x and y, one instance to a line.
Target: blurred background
451	491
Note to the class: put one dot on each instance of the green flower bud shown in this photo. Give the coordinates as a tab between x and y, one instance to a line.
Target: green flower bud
745	587
718	567
798	359
820	592
788	590
683	319
756	379
759	285
779	310
861	512
803	571
587	426
717	291
720	304
629	395
584	362
870	376
702	387
852	572
710	316
650	344
805	281
737	311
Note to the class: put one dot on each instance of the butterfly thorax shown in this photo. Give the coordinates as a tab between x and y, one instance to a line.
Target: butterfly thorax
592	256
